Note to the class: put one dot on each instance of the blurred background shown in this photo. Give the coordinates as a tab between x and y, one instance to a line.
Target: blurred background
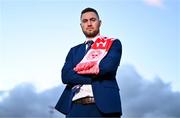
36	35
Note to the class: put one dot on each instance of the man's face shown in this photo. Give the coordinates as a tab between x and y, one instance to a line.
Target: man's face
90	24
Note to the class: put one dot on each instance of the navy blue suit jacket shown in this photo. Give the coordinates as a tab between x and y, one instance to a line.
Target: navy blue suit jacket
104	85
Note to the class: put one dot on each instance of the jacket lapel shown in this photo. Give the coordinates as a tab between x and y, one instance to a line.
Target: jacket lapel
79	53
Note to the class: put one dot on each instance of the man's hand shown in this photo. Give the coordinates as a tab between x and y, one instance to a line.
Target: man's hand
87	68
93	70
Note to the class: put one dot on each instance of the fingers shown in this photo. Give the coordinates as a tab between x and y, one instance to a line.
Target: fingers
93	70
84	66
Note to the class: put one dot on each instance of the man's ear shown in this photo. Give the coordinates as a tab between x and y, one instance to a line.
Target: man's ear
100	23
81	25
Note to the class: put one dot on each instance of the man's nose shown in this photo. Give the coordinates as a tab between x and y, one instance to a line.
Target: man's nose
89	23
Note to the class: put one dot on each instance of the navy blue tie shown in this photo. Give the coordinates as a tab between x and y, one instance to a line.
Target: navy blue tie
89	43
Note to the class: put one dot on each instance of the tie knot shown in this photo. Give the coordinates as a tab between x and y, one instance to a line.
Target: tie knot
89	43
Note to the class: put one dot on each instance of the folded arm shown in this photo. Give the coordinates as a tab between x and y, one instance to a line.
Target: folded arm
111	61
69	76
108	65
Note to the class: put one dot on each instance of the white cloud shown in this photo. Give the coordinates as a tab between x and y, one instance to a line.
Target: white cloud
24	102
140	98
156	3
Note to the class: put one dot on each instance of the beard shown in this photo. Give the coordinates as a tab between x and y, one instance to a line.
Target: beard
91	34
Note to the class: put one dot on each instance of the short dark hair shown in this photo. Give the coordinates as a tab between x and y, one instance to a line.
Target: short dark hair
89	10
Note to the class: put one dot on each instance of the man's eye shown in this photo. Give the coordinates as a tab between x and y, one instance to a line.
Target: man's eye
84	21
93	19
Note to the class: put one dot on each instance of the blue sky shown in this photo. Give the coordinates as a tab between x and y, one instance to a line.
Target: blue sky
36	35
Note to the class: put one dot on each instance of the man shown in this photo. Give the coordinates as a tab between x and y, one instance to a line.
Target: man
90	75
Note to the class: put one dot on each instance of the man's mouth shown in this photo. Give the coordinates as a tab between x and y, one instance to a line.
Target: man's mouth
89	28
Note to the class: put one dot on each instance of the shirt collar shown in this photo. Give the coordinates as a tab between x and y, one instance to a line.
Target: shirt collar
93	39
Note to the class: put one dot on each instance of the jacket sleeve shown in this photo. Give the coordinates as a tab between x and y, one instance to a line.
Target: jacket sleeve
69	76
110	63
